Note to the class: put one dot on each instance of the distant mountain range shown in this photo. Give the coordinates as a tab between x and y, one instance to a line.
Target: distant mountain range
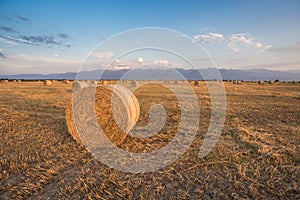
167	74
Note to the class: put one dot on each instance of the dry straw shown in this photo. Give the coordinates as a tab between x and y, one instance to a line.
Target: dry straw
271	81
134	84
66	82
117	110
260	82
47	83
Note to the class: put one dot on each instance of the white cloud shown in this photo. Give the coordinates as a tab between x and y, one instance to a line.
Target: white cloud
238	41
235	42
3	40
209	38
102	55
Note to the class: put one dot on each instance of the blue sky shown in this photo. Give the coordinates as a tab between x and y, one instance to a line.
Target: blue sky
56	36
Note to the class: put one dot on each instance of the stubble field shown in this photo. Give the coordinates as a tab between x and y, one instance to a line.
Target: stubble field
257	155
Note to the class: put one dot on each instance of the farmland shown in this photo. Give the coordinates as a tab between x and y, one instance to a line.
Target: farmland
257	155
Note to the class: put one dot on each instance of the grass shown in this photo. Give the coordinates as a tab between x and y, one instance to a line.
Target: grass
257	155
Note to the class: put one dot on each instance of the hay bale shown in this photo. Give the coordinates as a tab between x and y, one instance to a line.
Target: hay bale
4	81
19	81
66	82
134	84
196	83
104	82
117	111
260	82
271	81
47	83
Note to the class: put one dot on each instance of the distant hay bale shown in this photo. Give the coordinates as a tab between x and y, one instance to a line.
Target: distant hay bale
104	82
4	81
196	83
66	82
47	83
79	85
14	81
271	81
134	84
260	82
19	81
117	111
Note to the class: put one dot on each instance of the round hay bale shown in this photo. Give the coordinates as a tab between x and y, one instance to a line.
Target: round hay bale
47	83
117	111
134	84
4	81
78	85
19	81
271	81
196	83
104	82
66	82
260	82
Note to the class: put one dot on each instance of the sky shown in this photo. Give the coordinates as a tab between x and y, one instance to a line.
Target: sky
58	36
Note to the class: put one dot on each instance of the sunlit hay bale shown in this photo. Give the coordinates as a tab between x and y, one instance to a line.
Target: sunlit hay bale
271	81
79	85
19	81
14	81
117	111
260	82
4	81
238	82
134	84
196	83
66	82
104	82
47	83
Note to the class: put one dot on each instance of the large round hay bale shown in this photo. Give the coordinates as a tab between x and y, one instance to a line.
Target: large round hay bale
117	110
66	82
47	83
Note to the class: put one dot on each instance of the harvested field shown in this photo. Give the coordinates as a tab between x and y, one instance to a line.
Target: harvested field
257	155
